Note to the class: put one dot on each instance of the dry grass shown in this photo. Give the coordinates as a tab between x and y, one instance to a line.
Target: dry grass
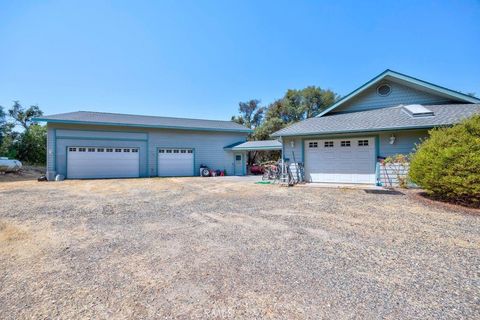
9	233
226	248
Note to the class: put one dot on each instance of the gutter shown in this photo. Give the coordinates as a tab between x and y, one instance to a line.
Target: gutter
115	124
358	131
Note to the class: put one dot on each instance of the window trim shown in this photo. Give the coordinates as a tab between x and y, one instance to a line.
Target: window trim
363	143
328	144
345	143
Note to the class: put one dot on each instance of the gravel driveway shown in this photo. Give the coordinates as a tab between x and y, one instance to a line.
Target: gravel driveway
223	248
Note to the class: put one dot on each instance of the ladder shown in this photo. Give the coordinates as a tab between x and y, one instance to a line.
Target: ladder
286	178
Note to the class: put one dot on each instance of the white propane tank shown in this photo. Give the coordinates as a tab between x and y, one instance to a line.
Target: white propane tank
8	165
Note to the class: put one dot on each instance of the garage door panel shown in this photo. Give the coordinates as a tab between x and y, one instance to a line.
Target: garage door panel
96	162
175	162
349	160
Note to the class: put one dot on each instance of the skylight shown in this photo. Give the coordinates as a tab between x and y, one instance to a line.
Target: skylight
417	111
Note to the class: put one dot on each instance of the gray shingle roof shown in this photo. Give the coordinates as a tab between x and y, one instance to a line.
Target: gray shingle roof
257	145
103	118
379	120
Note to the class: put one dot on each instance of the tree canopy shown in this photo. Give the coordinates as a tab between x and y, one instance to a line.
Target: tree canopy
30	143
294	106
251	114
23	116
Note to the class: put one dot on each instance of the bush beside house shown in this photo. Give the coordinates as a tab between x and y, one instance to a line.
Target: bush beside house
447	164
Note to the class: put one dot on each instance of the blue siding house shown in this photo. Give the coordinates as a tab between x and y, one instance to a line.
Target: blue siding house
388	115
106	145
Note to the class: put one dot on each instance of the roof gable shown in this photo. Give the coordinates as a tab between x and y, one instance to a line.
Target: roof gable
405	89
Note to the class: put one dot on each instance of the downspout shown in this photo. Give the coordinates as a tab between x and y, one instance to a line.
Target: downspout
283	157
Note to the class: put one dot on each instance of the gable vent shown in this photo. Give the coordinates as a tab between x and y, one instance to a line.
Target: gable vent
418	111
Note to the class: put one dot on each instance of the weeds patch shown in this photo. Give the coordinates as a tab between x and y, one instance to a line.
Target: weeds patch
9	233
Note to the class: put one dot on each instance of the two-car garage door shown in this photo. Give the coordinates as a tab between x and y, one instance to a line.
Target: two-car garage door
102	162
121	162
350	160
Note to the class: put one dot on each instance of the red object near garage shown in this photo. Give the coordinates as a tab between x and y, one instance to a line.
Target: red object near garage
256	169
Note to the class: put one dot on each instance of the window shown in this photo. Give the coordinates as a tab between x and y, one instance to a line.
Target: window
72	149
100	150
313	144
91	149
176	151
109	150
82	149
328	144
183	151
161	151
362	143
169	151
134	150
345	143
190	151
118	150
126	150
238	157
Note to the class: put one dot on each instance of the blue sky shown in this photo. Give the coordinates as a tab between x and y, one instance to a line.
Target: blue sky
200	58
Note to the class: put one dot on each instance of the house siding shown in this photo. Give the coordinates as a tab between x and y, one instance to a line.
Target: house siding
297	150
51	149
208	145
400	94
405	142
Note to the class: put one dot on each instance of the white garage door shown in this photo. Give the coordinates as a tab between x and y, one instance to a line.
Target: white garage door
104	162
175	162
349	160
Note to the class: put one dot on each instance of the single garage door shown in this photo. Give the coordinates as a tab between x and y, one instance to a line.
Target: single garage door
175	162
102	162
349	160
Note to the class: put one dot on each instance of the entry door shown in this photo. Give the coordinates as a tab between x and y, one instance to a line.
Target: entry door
102	162
349	160
239	165
175	162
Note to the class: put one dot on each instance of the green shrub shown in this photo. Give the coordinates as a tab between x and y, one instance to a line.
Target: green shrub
447	164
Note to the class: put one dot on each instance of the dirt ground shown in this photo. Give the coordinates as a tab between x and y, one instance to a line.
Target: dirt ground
228	248
25	174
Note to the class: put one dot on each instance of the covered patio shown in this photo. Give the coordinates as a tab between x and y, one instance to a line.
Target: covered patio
241	152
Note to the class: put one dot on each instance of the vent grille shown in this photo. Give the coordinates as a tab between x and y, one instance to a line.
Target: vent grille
384	90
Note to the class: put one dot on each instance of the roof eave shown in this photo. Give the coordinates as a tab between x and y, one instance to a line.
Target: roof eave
256	148
362	130
115	124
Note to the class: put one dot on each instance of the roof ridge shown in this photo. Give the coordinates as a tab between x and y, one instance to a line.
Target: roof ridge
144	115
394	107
